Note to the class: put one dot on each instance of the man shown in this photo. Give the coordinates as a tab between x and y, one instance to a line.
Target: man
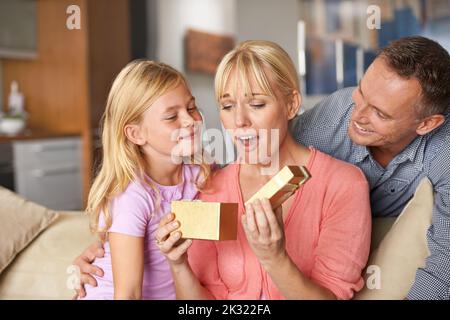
395	127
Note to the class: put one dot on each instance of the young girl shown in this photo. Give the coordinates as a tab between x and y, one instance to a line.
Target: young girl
150	123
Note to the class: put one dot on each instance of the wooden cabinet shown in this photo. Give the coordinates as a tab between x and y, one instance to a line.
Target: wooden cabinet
48	171
18	28
66	86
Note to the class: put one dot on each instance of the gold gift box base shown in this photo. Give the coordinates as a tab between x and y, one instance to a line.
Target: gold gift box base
206	220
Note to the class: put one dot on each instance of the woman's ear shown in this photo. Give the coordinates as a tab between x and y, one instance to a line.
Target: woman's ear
133	133
294	103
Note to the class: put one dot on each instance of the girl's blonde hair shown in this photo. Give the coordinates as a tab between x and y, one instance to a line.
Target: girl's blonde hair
133	91
255	58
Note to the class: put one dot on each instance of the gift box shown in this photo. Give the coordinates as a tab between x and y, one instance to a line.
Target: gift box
206	220
282	185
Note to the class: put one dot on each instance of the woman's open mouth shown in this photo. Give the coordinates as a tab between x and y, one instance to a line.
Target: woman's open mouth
247	140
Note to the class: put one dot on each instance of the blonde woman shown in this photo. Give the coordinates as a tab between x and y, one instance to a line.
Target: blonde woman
317	244
150	119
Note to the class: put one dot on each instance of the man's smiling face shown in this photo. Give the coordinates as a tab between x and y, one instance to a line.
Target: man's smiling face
384	114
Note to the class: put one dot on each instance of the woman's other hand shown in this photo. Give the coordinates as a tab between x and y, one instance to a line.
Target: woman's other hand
168	240
264	230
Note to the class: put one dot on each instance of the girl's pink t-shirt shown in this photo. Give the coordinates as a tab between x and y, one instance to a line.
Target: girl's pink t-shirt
134	213
327	230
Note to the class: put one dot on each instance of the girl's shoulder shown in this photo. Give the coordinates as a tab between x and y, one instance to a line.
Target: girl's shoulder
136	195
131	211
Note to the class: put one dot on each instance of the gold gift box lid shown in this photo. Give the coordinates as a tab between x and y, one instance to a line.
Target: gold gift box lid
282	185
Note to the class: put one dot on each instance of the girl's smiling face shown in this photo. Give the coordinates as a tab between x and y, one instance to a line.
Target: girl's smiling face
170	126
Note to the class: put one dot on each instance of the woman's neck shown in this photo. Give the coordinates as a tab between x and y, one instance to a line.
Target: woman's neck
163	171
290	153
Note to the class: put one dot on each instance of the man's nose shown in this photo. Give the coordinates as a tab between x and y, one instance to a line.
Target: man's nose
362	112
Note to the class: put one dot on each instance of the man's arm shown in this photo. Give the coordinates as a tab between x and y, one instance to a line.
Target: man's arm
433	281
87	269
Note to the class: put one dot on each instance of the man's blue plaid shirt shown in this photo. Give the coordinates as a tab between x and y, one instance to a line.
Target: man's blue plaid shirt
325	127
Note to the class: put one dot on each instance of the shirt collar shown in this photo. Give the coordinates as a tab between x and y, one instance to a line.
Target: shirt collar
413	152
360	153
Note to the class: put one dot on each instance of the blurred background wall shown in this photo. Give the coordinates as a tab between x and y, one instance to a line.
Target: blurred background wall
65	74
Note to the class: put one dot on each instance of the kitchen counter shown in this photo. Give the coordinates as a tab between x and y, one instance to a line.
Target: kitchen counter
31	134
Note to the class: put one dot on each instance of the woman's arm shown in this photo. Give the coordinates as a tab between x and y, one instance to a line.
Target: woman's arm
186	283
127	255
293	284
265	234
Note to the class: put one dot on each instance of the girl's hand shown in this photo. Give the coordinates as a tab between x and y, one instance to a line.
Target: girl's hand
169	244
264	231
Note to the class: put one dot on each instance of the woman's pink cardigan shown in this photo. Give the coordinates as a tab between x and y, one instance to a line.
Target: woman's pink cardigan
327	233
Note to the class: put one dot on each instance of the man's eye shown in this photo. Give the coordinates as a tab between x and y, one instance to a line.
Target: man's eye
380	115
193	109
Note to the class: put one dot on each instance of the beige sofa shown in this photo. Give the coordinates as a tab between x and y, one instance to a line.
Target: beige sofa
40	270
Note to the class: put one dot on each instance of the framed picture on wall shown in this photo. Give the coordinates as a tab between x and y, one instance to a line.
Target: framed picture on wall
205	50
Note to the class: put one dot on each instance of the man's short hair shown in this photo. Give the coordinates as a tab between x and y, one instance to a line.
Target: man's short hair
428	62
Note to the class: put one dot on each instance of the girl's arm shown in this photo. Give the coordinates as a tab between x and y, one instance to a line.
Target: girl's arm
127	255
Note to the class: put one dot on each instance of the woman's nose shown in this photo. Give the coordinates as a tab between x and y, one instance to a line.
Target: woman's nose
241	117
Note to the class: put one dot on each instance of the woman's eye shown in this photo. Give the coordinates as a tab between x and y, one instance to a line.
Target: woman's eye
171	117
226	107
258	105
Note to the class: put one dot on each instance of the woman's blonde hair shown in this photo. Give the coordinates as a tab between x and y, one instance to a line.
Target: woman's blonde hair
255	58
133	91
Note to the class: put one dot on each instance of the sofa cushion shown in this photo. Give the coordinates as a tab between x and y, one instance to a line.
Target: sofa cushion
392	265
20	222
43	270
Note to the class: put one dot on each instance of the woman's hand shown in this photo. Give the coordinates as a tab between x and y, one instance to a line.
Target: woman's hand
87	270
169	244
264	230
